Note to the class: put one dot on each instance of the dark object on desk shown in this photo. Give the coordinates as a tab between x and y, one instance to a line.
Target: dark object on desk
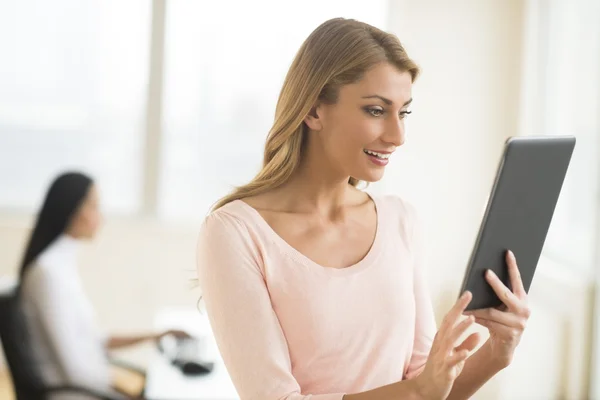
186	355
195	367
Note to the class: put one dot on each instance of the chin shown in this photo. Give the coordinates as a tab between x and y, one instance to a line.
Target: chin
367	171
370	177
89	236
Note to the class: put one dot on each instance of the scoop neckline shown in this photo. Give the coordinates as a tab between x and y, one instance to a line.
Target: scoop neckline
296	255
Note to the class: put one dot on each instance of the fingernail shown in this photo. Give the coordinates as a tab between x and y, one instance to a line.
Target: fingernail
489	273
511	255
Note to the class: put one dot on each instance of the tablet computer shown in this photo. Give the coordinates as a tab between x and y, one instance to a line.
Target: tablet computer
518	214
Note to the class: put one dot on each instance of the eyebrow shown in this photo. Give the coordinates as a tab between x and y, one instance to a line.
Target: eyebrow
385	100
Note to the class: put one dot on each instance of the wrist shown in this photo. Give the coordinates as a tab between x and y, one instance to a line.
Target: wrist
494	362
417	390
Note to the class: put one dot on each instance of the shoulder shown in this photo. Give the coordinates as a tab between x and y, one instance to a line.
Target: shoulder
399	210
39	278
229	228
398	203
40	271
226	219
407	223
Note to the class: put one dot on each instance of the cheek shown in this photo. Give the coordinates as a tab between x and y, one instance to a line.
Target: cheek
352	133
95	220
363	133
91	219
343	143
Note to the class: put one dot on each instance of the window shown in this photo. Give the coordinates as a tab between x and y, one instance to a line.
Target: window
223	73
567	93
73	82
74	95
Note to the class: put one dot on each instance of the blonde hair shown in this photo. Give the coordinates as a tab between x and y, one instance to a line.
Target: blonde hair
337	53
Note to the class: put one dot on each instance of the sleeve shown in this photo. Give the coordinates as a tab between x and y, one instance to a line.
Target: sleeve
246	328
425	325
61	324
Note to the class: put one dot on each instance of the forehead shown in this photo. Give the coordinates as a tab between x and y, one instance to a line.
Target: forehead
384	80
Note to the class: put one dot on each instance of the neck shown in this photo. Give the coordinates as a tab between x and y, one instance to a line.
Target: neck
68	240
71	233
70	236
317	185
65	247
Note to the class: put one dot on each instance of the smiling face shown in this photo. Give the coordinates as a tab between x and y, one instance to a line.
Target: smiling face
359	133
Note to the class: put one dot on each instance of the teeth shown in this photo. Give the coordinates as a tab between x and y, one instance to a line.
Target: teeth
378	155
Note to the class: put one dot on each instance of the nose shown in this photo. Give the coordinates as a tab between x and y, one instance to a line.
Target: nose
394	133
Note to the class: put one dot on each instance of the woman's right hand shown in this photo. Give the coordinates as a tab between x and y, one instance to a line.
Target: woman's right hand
446	360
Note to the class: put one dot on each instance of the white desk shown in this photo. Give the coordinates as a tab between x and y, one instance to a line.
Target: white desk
166	382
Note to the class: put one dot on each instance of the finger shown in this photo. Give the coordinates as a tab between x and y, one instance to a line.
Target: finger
458	357
508	319
493	326
496	327
503	293
515	276
455	312
470	343
459	330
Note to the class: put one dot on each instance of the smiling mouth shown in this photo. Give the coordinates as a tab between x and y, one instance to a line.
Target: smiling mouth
381	156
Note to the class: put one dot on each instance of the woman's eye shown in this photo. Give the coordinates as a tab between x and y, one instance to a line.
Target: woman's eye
404	114
376	112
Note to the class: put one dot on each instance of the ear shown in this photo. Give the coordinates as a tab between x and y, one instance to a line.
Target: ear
313	120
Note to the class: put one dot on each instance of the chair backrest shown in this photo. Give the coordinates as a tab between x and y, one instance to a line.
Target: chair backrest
26	378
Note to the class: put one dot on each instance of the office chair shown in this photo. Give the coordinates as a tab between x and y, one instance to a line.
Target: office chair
27	380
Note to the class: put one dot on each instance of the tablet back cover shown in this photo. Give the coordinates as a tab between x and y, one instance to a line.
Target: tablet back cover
518	215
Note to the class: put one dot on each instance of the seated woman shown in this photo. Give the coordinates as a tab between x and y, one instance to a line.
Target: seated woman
68	344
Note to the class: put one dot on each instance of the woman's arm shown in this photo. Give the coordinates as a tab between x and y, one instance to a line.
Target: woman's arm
506	325
479	369
396	391
245	325
425	325
116	342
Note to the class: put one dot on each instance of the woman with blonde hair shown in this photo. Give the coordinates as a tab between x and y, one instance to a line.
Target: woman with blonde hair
314	289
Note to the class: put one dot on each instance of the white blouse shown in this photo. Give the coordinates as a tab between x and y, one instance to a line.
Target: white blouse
66	340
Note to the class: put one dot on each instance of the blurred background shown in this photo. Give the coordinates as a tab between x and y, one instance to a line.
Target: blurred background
167	104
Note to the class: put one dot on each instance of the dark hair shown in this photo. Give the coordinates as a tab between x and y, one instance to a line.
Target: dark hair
63	199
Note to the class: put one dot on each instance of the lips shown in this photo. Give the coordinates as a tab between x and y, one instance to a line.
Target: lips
379	155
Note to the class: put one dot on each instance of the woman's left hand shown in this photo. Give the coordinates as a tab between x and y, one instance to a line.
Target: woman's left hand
177	334
505	323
